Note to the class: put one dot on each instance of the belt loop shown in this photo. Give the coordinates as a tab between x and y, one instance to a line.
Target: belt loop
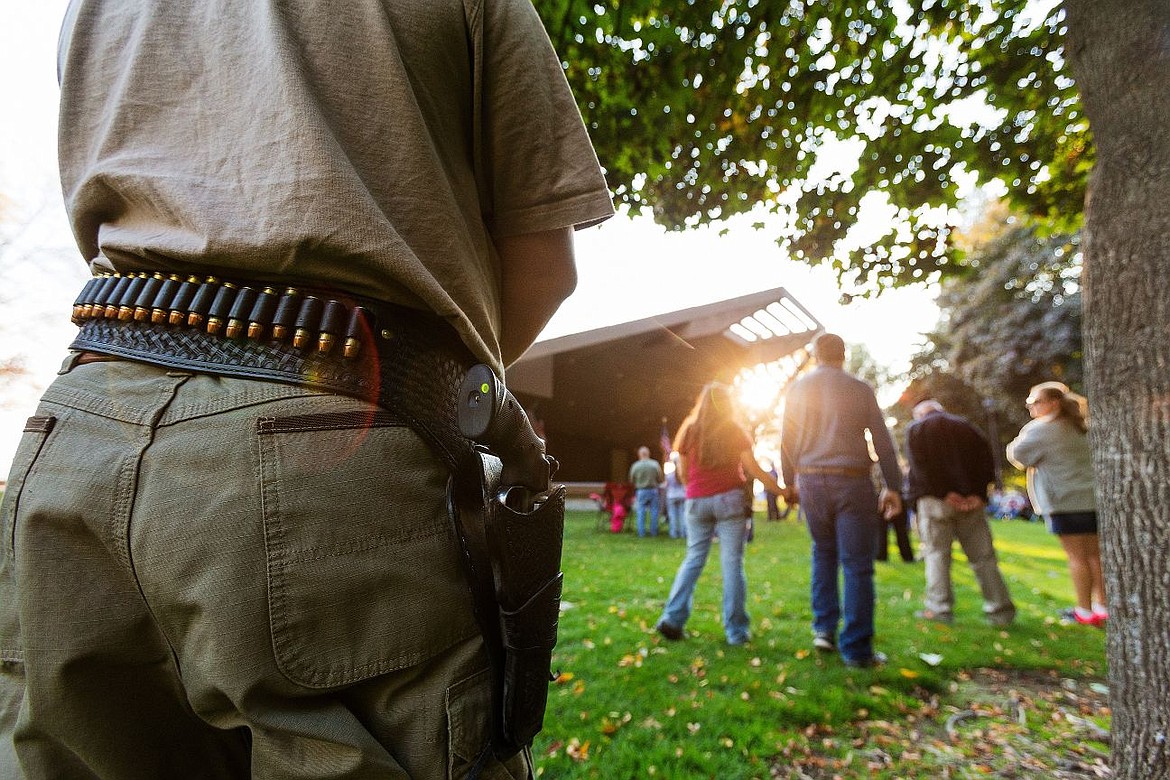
69	363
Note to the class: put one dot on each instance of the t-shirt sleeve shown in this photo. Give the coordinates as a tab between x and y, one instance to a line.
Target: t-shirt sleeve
536	165
1027	449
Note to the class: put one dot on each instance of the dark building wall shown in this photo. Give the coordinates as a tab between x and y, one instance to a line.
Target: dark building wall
613	396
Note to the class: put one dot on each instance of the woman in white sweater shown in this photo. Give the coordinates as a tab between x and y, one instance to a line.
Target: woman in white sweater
1054	448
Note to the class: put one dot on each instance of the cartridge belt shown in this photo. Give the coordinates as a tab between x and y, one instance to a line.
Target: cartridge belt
308	318
405	360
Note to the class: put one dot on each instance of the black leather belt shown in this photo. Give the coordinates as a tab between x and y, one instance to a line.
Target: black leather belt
835	471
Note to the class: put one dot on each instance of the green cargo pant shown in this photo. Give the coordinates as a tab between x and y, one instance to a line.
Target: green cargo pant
207	577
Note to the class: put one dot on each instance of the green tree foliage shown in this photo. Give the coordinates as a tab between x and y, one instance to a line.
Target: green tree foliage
1014	322
862	364
703	109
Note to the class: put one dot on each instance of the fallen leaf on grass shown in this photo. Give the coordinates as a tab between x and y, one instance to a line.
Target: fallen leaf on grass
564	677
931	659
909	674
609	727
577	751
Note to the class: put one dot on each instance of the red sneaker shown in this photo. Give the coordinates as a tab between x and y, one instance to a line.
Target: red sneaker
1093	619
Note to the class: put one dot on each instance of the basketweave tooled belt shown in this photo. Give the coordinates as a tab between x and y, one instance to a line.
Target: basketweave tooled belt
408	361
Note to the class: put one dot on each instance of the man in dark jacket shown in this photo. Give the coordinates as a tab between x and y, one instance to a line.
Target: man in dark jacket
950	468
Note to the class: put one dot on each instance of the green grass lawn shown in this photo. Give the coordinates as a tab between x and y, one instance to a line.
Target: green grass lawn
630	704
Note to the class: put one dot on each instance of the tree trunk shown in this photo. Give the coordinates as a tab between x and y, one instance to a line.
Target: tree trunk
1120	54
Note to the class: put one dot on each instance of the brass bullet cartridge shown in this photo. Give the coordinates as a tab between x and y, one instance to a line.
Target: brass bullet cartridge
96	307
354	331
160	309
149	292
332	325
126	304
308	319
202	301
83	297
111	309
238	315
182	301
261	314
96	304
220	307
286	313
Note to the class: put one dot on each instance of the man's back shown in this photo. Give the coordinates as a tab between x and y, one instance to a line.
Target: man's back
947	454
826	415
646	473
377	148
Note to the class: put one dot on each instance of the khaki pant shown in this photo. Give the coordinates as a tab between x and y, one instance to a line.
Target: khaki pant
222	578
940	525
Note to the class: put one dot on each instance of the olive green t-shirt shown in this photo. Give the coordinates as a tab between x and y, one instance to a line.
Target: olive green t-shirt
375	146
646	474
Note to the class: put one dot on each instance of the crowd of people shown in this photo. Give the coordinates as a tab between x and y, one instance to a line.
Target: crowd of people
832	430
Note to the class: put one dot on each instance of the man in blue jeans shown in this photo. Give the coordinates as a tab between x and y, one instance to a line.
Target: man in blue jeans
646	476
827	467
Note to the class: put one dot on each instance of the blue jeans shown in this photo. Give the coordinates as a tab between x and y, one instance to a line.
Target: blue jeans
842	516
676	513
646	504
722	513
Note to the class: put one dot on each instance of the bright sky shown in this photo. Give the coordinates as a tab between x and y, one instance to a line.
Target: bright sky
628	268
